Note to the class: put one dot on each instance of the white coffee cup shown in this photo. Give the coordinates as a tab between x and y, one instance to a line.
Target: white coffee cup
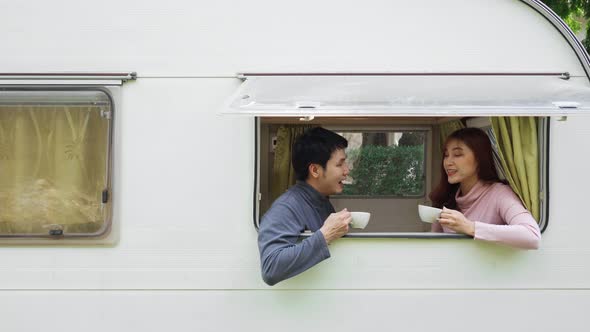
428	213
360	219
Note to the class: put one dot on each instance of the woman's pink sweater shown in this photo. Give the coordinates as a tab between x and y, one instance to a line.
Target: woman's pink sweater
499	216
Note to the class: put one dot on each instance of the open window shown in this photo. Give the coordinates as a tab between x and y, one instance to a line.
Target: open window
56	161
390	192
379	109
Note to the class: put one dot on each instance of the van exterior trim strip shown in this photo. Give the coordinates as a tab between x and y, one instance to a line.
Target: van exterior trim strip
128	76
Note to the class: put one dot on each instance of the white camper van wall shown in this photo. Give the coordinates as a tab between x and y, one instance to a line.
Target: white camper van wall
187	181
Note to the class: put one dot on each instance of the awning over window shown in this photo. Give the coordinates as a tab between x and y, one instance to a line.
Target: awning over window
412	95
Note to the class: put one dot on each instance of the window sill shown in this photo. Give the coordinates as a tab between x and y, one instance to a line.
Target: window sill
415	235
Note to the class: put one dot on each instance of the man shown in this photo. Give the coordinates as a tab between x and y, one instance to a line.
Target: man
319	162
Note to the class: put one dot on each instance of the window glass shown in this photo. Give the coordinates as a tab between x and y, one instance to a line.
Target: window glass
385	163
54	157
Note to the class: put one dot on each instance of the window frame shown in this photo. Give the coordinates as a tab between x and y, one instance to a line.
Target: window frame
106	234
544	142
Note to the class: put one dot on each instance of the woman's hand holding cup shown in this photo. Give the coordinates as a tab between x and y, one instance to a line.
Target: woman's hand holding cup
456	221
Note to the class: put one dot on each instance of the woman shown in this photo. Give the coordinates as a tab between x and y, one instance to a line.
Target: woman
474	199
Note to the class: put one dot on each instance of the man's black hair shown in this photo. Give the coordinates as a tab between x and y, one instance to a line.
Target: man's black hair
314	146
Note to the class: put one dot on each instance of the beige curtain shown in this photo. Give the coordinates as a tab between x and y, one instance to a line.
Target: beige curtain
52	168
283	174
517	146
448	128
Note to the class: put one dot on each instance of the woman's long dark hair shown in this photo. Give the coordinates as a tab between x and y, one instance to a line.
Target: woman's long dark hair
479	142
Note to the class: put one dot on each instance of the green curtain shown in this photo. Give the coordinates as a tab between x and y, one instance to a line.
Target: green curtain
517	145
283	174
447	128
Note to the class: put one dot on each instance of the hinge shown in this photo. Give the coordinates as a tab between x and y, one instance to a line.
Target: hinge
55	229
105	196
105	114
307	118
566	104
565	76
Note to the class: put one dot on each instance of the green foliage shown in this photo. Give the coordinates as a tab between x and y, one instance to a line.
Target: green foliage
387	170
411	138
572	11
563	8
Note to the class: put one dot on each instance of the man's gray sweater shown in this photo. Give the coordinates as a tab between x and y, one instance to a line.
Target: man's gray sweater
281	255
